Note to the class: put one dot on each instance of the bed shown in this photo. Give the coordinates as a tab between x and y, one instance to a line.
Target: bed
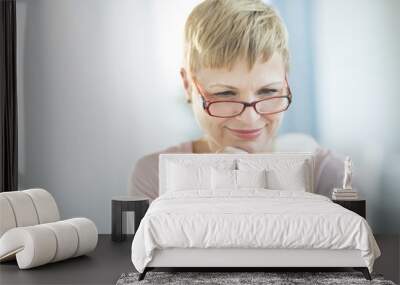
247	211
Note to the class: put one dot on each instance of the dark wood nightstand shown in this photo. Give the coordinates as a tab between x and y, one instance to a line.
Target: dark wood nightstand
122	204
358	206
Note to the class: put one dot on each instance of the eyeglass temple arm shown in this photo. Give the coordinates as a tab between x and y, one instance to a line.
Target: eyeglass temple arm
201	93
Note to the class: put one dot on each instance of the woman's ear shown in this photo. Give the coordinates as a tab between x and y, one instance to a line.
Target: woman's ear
186	85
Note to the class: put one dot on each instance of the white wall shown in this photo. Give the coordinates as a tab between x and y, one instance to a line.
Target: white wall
95	92
357	46
90	71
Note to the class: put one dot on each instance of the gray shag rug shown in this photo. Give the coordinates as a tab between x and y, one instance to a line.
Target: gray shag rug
229	278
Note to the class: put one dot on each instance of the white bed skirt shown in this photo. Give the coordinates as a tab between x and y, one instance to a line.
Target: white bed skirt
253	257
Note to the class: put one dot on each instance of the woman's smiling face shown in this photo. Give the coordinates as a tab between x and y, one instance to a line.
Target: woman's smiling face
239	84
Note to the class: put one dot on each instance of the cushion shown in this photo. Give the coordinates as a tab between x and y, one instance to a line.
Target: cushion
167	171
45	243
45	205
7	215
294	179
223	179
251	178
229	179
23	208
27	208
184	177
282	174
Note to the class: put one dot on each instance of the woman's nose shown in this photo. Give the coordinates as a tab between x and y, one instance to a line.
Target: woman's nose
249	115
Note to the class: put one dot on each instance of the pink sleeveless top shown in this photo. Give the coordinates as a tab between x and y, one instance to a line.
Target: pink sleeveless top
329	166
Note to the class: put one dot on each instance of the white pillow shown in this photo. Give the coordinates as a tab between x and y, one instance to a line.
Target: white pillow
223	179
251	178
288	179
187	177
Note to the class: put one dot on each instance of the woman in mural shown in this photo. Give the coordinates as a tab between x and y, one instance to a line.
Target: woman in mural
235	76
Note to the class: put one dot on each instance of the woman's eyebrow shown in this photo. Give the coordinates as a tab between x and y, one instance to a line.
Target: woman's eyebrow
223	85
235	88
269	84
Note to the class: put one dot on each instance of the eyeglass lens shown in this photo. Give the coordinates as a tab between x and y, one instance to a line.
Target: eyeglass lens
227	109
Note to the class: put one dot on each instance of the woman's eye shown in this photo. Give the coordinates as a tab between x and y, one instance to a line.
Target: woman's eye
270	92
225	93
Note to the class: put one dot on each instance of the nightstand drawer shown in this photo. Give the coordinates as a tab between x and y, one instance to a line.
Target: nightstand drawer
357	206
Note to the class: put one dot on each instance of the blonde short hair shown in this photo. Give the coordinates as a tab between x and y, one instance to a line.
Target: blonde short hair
219	32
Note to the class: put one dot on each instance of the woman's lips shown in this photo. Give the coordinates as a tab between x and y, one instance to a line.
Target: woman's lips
246	133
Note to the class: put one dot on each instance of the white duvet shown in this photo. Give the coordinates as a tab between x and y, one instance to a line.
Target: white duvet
250	218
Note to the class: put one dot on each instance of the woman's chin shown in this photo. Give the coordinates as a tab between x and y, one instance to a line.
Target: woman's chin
251	146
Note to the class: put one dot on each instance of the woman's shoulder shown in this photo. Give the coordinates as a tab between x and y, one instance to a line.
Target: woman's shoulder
301	142
328	163
151	160
144	176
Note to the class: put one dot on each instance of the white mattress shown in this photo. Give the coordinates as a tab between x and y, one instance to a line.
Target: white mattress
250	218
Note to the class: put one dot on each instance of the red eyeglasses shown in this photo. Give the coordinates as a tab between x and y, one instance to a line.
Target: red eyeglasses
277	102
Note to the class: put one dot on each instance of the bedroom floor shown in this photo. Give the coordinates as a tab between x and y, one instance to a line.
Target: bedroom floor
111	259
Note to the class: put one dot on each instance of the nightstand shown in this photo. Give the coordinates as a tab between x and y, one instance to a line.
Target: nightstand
120	204
358	206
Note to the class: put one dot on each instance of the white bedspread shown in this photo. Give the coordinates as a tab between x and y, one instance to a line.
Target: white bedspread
251	218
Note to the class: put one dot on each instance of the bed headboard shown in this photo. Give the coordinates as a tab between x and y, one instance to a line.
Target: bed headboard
217	158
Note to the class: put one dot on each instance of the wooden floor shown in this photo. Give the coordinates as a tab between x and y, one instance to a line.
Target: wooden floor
102	266
111	259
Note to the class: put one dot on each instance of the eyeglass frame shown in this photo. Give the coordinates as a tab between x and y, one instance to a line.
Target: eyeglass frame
207	103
